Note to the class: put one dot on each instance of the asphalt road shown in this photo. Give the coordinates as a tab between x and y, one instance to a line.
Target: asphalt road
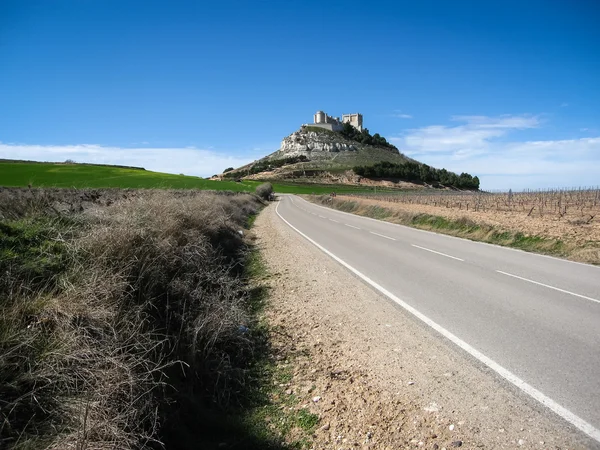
535	320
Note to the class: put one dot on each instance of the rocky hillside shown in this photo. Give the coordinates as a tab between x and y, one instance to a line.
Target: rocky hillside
317	155
312	151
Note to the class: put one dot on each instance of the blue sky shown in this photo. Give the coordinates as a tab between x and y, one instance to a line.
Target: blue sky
508	91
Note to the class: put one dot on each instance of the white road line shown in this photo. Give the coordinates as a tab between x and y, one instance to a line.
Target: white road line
548	286
333	220
351	226
451	237
382	235
563	412
322	217
439	253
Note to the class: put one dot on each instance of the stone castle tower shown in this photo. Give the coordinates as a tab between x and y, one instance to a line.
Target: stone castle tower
323	120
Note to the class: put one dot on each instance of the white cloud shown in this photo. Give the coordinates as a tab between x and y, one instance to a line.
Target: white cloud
505	121
479	146
189	160
400	115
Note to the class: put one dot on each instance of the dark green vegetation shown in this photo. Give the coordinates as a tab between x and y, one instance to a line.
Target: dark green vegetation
462	227
269	164
364	137
417	172
129	319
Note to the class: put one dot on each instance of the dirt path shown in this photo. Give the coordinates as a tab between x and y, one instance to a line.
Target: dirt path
376	377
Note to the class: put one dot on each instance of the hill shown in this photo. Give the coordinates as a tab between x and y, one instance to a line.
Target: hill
36	174
81	176
348	156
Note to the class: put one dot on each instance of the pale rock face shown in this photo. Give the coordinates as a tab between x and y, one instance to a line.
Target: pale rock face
307	142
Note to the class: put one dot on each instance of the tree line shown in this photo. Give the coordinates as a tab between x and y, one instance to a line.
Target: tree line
268	164
412	171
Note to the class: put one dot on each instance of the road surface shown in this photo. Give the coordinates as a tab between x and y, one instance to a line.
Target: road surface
535	320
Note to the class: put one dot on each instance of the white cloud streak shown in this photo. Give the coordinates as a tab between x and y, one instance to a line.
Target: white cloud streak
187	160
479	146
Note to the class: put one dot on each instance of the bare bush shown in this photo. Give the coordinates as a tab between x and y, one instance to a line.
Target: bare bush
264	190
150	299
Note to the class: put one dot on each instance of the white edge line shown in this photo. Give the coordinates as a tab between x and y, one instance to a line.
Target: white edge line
439	253
504	373
333	220
548	286
351	226
382	235
449	236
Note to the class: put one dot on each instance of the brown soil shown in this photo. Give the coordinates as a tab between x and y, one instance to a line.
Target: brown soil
568	229
376	377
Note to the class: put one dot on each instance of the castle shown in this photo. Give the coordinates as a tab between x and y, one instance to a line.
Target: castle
323	120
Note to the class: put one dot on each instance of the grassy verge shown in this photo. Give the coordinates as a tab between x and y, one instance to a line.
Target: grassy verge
271	413
466	228
128	319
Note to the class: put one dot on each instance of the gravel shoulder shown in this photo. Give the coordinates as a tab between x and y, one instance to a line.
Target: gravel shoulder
377	377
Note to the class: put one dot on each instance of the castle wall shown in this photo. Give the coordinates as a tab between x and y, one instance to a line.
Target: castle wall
355	120
328	126
320	118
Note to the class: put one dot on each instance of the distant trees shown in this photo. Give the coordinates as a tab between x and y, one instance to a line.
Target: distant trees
229	169
412	171
364	137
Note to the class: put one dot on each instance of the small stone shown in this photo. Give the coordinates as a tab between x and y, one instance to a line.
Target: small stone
521	441
432	407
435	447
326	427
457	444
369	435
316	398
288	392
410	383
451	427
420	444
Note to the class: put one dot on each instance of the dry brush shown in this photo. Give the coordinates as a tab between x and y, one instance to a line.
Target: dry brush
113	306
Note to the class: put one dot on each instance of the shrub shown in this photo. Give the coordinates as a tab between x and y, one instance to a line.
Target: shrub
264	190
114	315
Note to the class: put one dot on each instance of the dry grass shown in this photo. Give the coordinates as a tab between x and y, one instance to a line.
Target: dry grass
548	235
113	308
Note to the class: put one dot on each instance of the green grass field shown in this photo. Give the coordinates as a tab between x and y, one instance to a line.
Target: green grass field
22	174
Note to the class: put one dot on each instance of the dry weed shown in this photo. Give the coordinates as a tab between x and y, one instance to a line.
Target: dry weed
151	299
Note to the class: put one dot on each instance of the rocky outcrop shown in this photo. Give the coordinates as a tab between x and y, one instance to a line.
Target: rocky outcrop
323	151
314	144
